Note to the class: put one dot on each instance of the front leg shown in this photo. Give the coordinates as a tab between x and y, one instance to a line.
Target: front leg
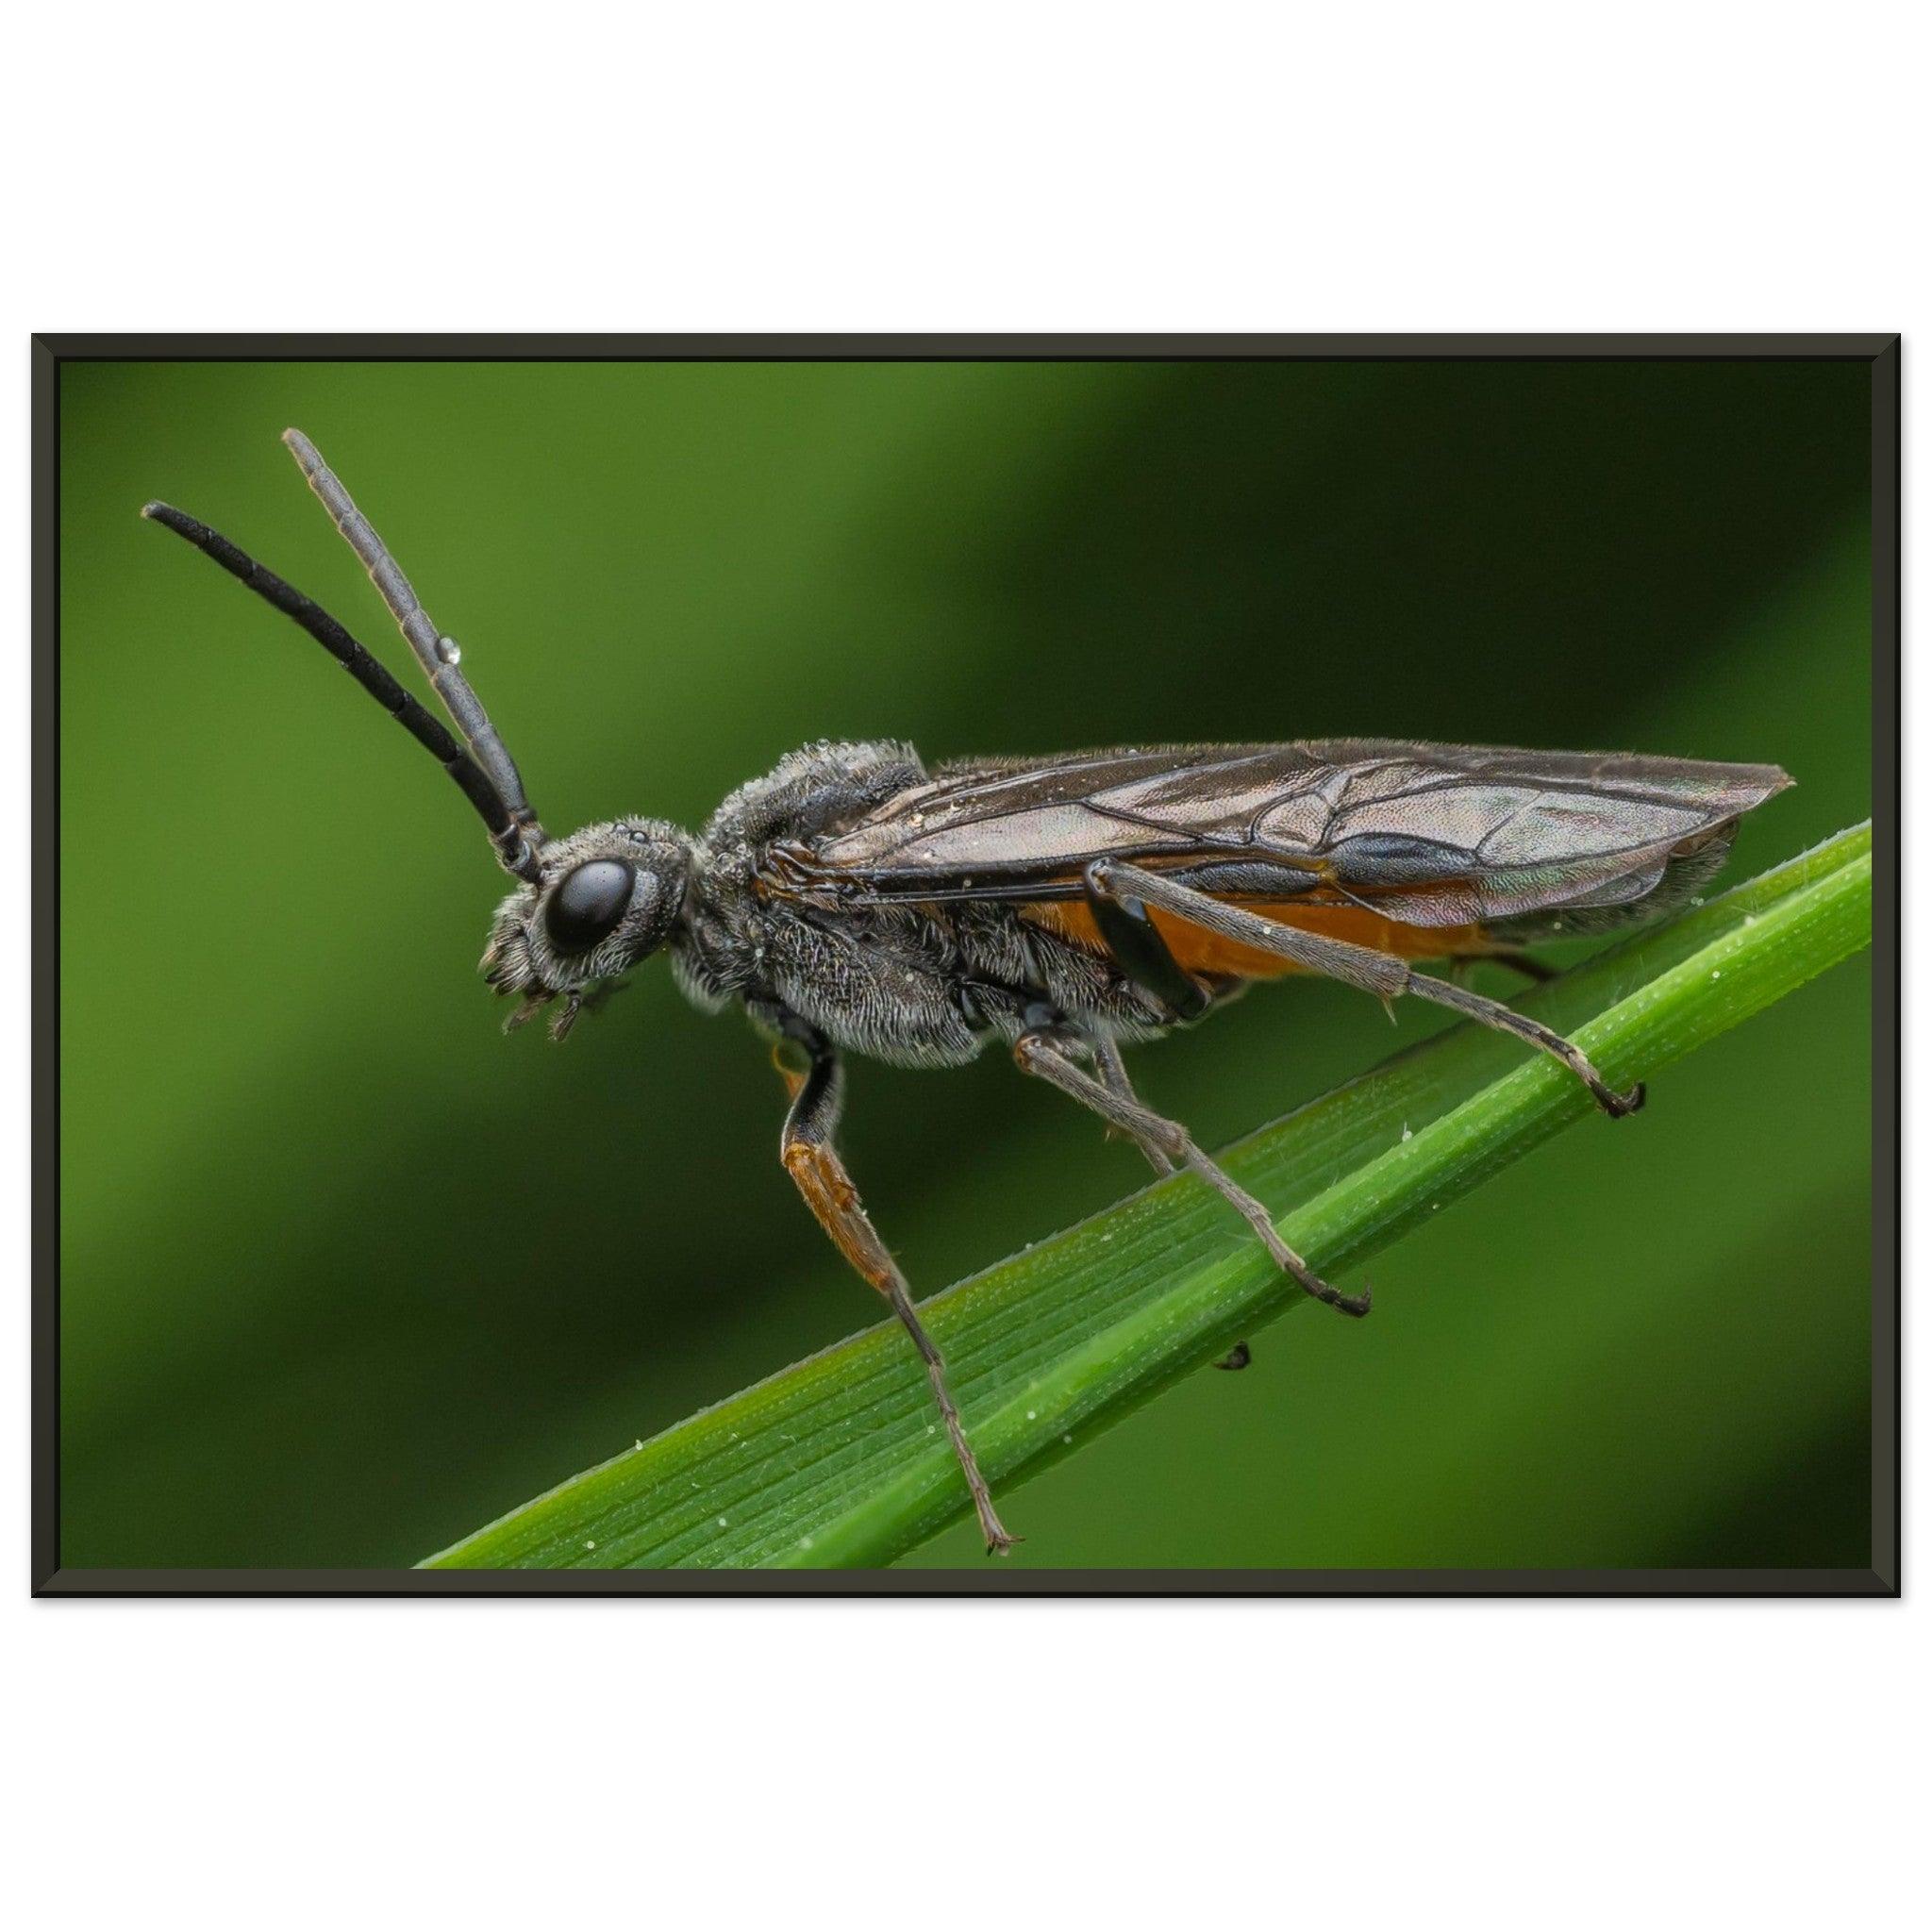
819	1175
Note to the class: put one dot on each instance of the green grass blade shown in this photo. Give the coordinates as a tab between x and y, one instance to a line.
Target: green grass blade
838	1461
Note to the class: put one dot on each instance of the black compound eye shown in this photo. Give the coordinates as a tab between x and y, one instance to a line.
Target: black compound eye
587	907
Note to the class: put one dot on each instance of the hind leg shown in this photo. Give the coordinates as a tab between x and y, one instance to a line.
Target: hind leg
1358	966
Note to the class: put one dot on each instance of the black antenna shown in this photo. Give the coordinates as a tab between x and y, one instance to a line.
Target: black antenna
438	655
512	847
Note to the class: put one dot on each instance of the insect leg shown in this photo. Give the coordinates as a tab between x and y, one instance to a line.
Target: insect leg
1524	963
1053	1053
819	1175
1462	968
1113	1073
1357	966
1141	953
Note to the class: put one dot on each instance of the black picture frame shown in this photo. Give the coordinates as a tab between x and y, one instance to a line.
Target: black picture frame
1882	1579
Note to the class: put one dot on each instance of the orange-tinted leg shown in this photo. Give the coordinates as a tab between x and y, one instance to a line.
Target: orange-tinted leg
819	1175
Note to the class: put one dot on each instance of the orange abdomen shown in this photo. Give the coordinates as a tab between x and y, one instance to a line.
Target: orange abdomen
1208	953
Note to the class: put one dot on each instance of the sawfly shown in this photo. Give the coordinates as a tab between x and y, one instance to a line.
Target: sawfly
856	900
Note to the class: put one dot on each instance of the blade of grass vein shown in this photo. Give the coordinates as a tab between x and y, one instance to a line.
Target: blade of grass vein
1005	1329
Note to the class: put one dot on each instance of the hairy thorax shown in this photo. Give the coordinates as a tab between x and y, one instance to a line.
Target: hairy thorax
910	983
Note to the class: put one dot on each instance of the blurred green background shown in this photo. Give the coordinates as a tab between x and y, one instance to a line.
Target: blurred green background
346	1273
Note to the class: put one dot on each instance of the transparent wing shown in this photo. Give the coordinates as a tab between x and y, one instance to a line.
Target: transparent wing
1432	834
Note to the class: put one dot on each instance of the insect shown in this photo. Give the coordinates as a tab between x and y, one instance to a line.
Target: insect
856	901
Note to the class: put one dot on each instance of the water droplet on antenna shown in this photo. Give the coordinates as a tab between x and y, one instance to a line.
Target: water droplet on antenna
448	651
